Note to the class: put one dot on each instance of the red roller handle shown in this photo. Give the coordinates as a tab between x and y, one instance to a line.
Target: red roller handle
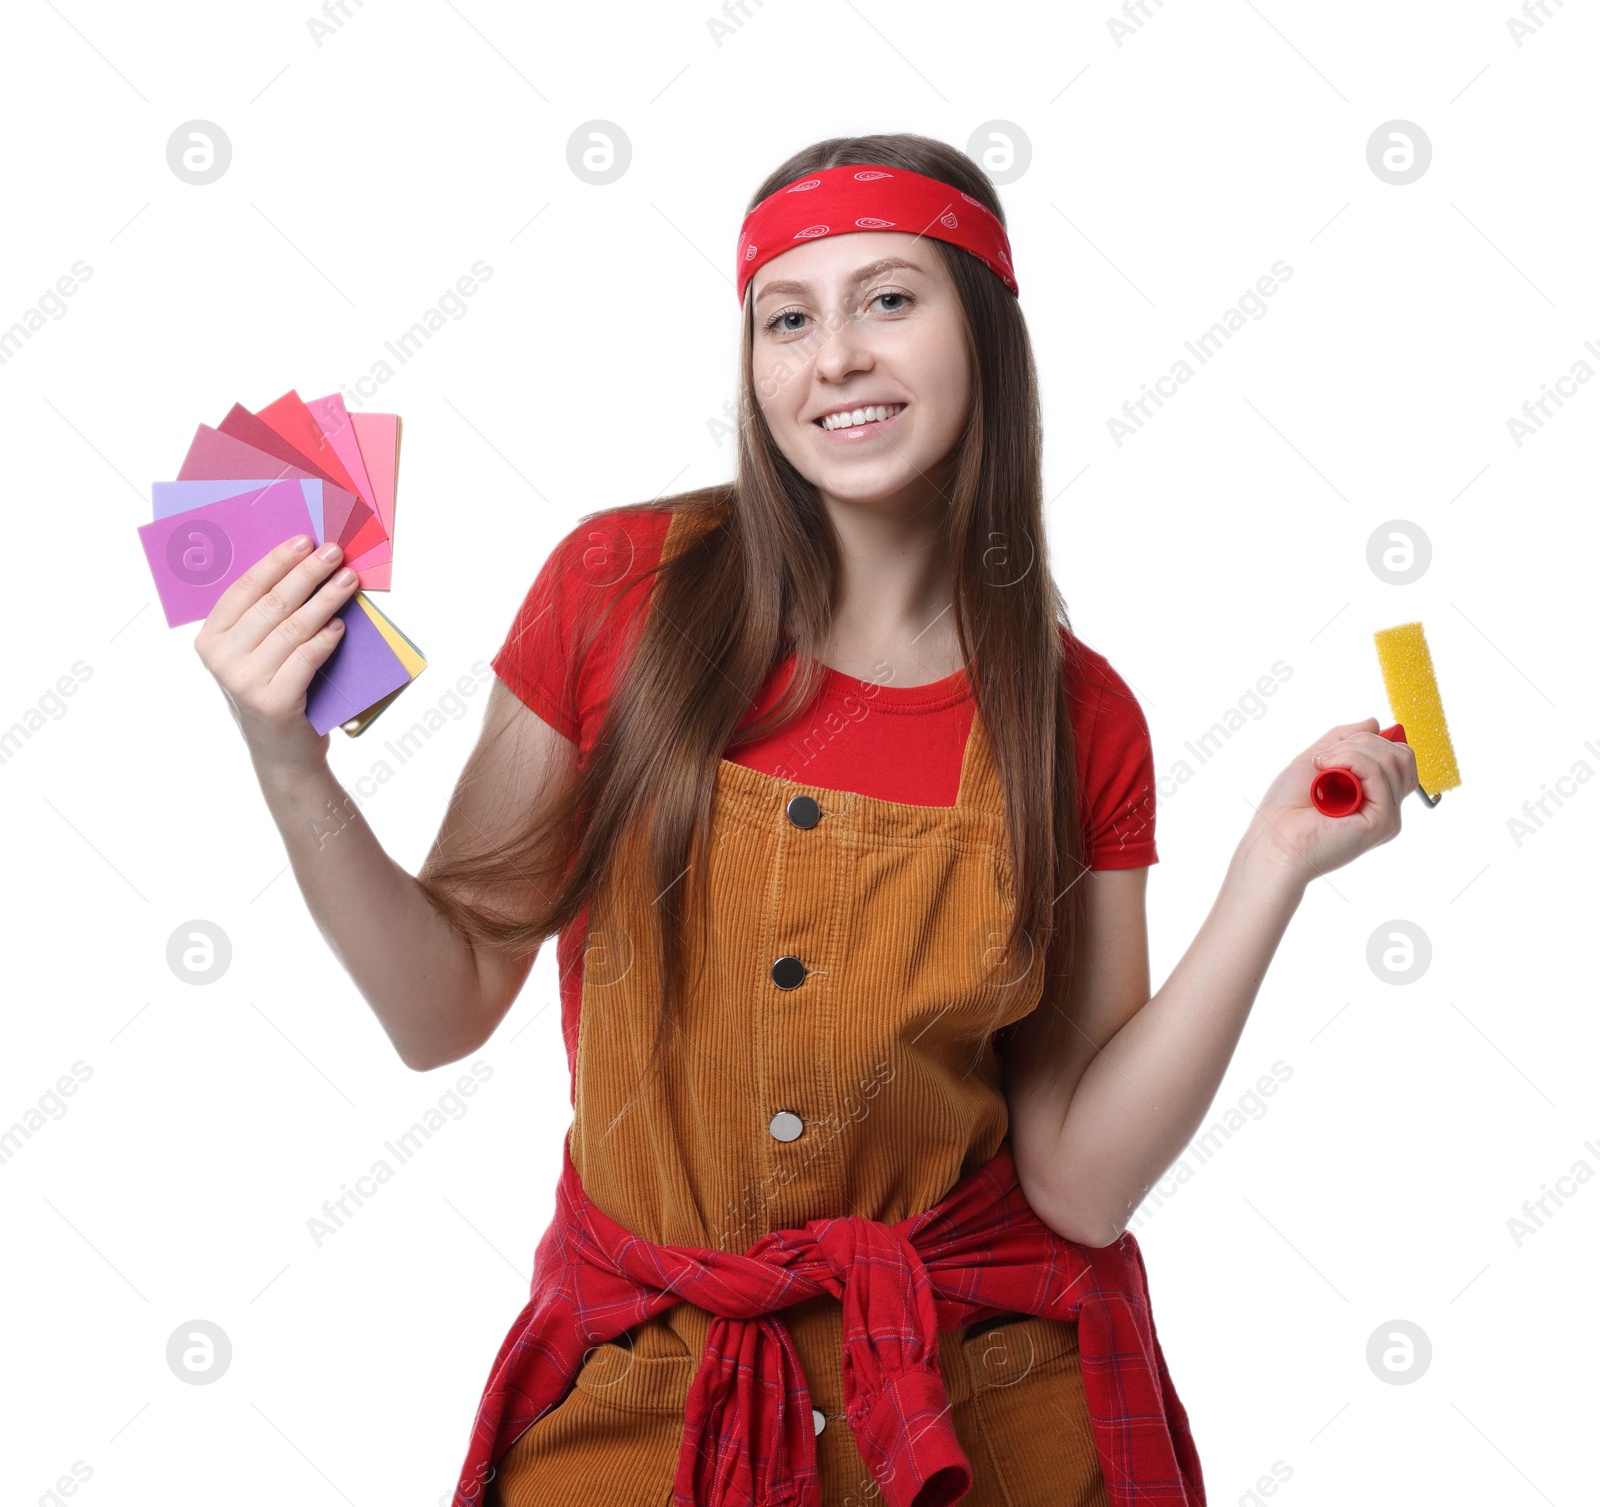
1337	792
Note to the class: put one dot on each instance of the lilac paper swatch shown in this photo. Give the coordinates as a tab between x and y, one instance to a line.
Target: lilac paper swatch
362	669
197	555
180	496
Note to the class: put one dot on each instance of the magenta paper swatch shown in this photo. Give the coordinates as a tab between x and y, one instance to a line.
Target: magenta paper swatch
361	670
195	556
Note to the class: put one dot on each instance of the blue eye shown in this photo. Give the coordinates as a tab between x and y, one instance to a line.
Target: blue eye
771	324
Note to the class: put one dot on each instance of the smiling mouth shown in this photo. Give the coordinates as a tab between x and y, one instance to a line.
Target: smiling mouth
859	418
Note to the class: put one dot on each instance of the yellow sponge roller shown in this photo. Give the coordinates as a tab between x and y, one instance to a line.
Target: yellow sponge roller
1414	702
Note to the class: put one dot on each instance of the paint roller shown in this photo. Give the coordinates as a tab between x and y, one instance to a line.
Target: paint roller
1413	693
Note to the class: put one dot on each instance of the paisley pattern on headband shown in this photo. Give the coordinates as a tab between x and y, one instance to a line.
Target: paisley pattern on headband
854	199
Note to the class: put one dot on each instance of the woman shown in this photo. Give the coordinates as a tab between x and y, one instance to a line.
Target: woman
806	771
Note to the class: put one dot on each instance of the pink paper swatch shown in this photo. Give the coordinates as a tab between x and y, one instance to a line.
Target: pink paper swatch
379	437
334	422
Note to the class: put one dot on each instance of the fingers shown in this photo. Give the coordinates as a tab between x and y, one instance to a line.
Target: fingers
266	638
249	588
1381	766
277	612
291	594
310	616
1336	734
292	670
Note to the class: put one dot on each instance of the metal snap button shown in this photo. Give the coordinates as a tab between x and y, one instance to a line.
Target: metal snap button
819	1420
785	1125
788	973
803	811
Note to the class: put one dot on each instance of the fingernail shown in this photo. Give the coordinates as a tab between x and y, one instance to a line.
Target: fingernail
329	552
300	543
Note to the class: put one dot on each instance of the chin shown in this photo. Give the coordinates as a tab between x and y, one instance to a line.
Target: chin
861	487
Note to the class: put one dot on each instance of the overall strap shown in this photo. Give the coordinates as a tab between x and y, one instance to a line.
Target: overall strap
980	789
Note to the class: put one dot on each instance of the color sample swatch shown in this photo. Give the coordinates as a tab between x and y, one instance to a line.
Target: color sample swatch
378	434
255	481
179	496
197	555
362	669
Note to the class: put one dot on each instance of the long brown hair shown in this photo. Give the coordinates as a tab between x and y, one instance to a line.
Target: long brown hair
752	582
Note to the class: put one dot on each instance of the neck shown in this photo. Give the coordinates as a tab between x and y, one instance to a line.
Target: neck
893	598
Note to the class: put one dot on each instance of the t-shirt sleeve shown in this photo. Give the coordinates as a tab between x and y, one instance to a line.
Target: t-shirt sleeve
564	647
1116	762
533	660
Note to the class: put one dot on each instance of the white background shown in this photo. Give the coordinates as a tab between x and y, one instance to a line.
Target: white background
1166	175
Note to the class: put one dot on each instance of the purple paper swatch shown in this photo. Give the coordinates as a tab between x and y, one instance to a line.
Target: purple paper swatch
361	670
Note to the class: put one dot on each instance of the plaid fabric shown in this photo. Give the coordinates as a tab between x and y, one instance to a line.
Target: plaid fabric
748	1435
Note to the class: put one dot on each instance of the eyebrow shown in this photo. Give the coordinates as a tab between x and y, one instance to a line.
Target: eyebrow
861	274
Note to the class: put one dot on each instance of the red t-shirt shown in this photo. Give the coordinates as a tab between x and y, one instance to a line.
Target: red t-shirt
894	743
907	745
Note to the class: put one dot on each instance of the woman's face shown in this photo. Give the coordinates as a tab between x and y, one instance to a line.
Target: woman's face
869	320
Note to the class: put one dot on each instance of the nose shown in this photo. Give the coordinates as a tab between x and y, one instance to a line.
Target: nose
843	349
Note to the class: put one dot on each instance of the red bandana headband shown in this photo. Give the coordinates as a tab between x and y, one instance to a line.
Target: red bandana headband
843	200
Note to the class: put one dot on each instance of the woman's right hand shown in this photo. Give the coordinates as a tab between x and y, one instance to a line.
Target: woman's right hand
1288	824
266	637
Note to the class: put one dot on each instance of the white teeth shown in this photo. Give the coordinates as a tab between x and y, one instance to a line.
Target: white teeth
849	419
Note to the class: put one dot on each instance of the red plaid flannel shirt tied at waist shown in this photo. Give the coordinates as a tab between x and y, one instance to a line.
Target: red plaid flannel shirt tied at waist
748	1438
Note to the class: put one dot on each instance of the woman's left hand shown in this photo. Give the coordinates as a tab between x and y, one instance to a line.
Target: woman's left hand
1289	824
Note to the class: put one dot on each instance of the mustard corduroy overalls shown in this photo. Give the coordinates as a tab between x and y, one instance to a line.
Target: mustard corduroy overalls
832	1057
